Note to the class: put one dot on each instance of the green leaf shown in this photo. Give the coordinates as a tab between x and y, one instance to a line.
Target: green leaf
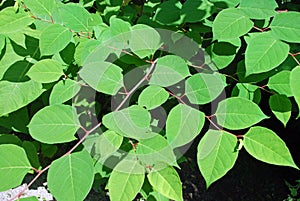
71	177
132	122
264	52
54	124
17	121
231	23
195	11
264	145
103	76
32	153
152	97
168	13
14	165
216	155
119	29
126	180
75	17
155	150
15	95
167	183
237	113
106	144
17	72
63	91
286	27
226	3
29	199
295	83
262	10
169	70
144	40
281	107
45	71
202	88
280	82
13	22
223	52
248	91
184	123
2	42
41	8
54	38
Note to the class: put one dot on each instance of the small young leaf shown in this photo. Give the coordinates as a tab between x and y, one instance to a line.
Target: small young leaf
144	40
203	88
264	145
216	155
46	71
103	76
152	97
169	70
14	165
133	122
286	27
295	83
54	124
155	150
71	177
280	82
54	38
125	185
167	183
231	23
281	107
264	52
63	91
184	123
13	22
262	10
238	113
15	95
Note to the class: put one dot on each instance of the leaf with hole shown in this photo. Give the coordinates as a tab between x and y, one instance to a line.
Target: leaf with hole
264	145
216	155
152	97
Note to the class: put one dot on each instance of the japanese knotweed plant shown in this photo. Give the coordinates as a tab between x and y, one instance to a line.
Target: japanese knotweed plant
114	92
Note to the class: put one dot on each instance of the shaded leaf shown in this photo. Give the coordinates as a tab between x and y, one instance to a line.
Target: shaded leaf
281	107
